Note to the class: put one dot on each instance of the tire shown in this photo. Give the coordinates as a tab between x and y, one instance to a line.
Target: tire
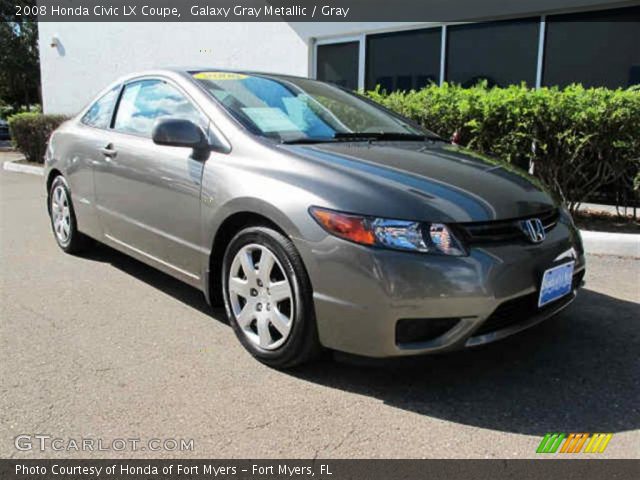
275	324
63	218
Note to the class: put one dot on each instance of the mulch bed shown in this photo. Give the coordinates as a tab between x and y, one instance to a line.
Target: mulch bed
606	222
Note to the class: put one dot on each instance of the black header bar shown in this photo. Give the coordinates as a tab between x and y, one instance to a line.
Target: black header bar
291	10
318	469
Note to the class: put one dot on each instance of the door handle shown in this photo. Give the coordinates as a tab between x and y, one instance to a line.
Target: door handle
109	151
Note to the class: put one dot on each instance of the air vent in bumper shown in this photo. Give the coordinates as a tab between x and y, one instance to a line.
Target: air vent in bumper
418	330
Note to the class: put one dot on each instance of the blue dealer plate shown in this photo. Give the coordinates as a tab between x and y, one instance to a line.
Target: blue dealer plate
556	283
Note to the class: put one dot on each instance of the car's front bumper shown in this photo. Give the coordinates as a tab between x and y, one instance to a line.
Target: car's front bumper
361	294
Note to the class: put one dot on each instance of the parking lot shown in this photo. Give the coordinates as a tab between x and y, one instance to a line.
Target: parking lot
104	347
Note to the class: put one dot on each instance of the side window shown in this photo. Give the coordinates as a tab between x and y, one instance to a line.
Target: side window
99	114
143	102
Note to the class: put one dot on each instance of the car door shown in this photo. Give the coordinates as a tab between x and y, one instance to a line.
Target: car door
81	152
148	195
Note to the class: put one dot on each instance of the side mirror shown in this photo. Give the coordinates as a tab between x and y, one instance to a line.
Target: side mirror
178	132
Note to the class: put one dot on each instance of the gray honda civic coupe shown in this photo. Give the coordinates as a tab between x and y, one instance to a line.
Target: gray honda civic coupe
320	219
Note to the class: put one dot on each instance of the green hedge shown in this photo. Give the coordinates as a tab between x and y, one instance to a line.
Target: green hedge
30	132
575	140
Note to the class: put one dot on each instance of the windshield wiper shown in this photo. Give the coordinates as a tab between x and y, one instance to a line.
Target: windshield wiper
365	136
384	136
307	140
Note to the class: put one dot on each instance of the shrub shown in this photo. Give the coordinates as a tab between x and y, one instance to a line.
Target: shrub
8	110
575	140
4	110
30	132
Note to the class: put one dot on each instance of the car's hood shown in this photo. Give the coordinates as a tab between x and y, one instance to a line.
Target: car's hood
461	184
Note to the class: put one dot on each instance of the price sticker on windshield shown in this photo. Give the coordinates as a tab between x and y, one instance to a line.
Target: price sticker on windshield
219	76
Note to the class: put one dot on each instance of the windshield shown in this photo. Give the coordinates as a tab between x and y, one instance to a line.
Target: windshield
296	109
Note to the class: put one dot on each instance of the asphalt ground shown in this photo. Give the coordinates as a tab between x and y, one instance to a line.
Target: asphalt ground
104	347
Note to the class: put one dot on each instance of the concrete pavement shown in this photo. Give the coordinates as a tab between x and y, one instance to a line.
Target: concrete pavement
102	346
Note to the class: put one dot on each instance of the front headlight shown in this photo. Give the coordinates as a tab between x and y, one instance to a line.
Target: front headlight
389	233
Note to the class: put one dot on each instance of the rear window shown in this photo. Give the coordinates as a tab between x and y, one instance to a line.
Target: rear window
99	114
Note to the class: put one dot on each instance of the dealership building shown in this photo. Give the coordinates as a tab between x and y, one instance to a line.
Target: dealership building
541	43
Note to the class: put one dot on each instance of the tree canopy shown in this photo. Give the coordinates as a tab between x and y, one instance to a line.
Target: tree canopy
19	58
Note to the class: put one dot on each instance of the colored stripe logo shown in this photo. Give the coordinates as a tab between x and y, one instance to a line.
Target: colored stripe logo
574	443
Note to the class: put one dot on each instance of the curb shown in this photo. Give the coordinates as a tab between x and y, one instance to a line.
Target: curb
14	166
606	243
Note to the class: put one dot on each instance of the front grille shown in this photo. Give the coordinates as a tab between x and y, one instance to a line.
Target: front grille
521	309
416	330
501	231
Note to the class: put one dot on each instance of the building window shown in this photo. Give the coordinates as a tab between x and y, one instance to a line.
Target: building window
597	49
503	53
403	60
338	63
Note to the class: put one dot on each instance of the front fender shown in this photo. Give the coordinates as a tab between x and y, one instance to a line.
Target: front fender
251	205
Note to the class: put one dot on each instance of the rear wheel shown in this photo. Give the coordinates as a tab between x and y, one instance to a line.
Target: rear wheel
268	298
63	218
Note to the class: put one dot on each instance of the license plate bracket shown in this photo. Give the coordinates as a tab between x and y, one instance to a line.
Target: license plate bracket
556	283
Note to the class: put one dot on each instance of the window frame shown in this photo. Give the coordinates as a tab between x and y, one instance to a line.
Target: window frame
443	26
359	39
536	20
415	28
551	20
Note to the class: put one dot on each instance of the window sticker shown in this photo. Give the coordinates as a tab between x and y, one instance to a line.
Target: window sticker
219	76
297	109
270	119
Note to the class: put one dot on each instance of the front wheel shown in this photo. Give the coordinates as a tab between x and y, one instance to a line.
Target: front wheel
268	298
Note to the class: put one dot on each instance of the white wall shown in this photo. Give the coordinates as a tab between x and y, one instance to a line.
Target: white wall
92	55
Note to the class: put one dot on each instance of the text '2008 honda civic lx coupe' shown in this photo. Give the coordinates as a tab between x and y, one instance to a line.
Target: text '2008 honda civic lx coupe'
319	218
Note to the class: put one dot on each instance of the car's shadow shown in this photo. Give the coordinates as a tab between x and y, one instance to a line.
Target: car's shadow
165	283
579	371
